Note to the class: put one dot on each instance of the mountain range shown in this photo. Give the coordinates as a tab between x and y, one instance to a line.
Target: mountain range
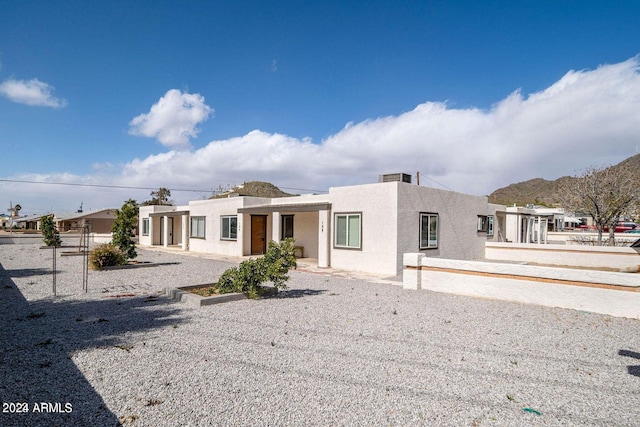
539	191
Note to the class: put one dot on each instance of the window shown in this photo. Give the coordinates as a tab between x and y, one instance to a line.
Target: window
197	227
229	226
428	231
348	231
145	226
287	227
485	224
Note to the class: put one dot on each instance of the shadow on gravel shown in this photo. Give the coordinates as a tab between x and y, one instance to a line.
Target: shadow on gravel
28	272
633	369
299	293
37	340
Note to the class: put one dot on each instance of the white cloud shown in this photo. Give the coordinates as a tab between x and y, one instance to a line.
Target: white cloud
588	117
31	92
173	120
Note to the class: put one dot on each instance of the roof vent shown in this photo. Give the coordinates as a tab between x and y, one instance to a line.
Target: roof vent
395	177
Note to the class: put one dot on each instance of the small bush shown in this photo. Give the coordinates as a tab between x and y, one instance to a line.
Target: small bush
106	255
251	274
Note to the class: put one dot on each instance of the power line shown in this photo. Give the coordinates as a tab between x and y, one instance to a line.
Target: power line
126	187
442	185
72	184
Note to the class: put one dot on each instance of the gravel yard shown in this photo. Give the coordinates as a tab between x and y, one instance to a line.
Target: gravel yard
333	350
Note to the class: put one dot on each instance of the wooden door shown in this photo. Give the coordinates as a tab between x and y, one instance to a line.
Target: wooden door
258	234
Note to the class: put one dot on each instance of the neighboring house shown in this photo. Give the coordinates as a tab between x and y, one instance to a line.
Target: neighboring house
361	227
532	223
99	221
29	222
4	220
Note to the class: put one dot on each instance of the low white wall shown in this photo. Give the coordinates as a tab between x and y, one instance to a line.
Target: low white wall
614	294
102	237
580	238
624	259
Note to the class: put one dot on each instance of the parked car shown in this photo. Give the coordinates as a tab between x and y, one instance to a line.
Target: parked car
585	227
624	226
634	231
621	227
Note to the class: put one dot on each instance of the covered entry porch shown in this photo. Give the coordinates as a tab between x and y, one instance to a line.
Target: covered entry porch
169	228
307	223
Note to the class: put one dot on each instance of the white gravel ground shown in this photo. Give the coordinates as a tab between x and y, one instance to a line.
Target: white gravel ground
331	351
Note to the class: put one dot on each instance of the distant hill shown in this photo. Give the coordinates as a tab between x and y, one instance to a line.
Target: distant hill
542	192
255	189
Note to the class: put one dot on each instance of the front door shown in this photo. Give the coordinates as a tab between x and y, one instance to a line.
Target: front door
258	234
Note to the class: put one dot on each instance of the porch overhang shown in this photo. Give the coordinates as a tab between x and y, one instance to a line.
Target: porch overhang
168	213
300	207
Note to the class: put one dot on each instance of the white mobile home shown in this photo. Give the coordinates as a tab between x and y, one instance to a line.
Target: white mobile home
361	227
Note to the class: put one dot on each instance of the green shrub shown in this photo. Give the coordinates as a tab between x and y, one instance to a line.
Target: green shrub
251	274
106	255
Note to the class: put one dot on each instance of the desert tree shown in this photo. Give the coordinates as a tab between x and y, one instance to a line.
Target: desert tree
604	193
123	228
159	197
50	234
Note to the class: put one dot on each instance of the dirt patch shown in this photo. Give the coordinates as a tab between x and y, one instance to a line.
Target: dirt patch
203	291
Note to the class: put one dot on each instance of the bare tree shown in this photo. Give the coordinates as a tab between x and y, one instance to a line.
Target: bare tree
160	197
606	194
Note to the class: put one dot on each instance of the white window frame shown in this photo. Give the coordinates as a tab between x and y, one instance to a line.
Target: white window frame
431	244
349	231
226	229
485	224
145	226
200	230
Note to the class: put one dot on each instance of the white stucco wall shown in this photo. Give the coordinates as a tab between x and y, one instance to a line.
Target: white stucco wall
212	211
377	203
458	237
305	232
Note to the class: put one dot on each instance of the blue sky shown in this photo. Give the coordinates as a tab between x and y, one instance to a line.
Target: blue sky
194	94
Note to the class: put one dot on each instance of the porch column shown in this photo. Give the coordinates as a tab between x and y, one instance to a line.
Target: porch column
185	232
539	230
150	231
165	232
275	227
324	222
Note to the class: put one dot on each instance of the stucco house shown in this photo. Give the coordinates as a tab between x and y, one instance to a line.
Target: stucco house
364	228
4	220
531	224
98	221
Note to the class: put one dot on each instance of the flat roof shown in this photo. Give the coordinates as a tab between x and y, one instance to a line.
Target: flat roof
289	207
169	213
